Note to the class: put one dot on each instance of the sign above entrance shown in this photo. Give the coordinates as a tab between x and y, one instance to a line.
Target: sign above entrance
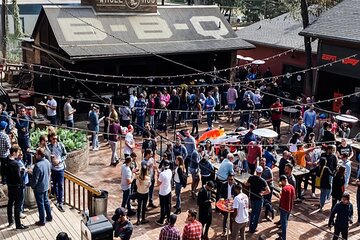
348	67
122	6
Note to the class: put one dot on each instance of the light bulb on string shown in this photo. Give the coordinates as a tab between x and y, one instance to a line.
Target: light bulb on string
64	79
63	97
77	101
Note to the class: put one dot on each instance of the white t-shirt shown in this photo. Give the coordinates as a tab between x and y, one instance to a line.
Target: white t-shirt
130	139
241	203
67	109
165	179
51	103
126	174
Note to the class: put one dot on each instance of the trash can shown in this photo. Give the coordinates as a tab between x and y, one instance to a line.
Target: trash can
30	200
99	204
97	228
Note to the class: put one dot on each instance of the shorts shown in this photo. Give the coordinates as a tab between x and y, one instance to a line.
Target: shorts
194	173
231	106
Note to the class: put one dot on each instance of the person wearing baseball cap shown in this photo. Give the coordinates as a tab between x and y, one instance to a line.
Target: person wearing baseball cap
123	228
258	188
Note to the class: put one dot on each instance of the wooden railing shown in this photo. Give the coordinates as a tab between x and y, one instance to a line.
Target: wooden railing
78	194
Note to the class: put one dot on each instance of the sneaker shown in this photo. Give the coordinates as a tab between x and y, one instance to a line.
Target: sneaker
22	215
60	207
40	224
22	227
158	222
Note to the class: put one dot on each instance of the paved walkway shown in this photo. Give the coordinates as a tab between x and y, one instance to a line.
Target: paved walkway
307	222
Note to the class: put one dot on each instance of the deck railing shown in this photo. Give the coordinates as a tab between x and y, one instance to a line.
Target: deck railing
79	194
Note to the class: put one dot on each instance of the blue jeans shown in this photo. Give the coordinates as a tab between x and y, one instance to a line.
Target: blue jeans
126	199
95	140
24	144
42	201
256	206
152	121
21	199
140	121
57	178
178	187
52	119
284	217
70	123
324	195
151	191
209	119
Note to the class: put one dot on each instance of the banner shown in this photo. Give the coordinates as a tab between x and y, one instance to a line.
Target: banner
338	102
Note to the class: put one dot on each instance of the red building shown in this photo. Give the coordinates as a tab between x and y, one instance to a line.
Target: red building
275	36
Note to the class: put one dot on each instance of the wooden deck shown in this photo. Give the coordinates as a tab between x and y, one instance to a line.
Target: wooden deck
68	222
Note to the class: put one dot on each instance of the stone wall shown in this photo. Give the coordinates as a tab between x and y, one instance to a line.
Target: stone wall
78	160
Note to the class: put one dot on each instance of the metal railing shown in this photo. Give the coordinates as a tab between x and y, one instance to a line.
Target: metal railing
79	194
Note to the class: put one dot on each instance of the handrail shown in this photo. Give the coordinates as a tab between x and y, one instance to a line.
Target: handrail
71	177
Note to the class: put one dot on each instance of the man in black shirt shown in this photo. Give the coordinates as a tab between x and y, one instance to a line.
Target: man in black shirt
283	161
258	188
123	228
14	183
344	148
204	202
331	159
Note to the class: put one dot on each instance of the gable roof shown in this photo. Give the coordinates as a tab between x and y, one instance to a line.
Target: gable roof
338	23
174	29
282	32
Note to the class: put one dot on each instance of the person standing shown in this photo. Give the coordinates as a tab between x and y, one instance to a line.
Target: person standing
125	114
57	157
231	97
69	113
358	196
164	182
247	105
129	141
226	169
347	164
309	121
126	180
132	99
267	175
276	110
140	109
338	187
142	184
5	146
170	232
22	125
150	163
193	229
254	152
227	192
287	198
241	213
324	173
209	107
51	106
114	134
179	181
204	202
206	170
24	181
258	188
94	126
14	183
40	184
190	145
344	214
194	170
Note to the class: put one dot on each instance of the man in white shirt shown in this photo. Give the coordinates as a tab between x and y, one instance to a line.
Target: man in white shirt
164	182
69	113
241	213
132	101
126	180
51	106
129	142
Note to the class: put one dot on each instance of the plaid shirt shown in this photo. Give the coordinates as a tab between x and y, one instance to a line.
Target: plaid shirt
140	106
5	145
169	232
192	231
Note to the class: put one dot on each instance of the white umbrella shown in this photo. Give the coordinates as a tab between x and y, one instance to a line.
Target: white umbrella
248	59
232	139
347	118
265	132
240	57
258	62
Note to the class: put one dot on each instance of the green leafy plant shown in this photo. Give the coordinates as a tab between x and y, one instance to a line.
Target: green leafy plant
72	140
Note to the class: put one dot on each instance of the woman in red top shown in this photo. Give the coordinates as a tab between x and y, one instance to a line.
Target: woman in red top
151	107
276	110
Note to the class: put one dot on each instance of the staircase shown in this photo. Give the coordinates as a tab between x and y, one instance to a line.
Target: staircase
13	93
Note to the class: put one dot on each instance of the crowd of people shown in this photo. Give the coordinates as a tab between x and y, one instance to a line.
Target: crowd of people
329	166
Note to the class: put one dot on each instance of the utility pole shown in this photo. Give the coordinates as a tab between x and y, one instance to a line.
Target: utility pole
3	29
307	44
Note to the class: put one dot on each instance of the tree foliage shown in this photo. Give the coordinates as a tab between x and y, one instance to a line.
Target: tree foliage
316	7
18	32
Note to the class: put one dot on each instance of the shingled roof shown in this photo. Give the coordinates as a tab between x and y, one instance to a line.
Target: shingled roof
338	23
83	34
282	32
